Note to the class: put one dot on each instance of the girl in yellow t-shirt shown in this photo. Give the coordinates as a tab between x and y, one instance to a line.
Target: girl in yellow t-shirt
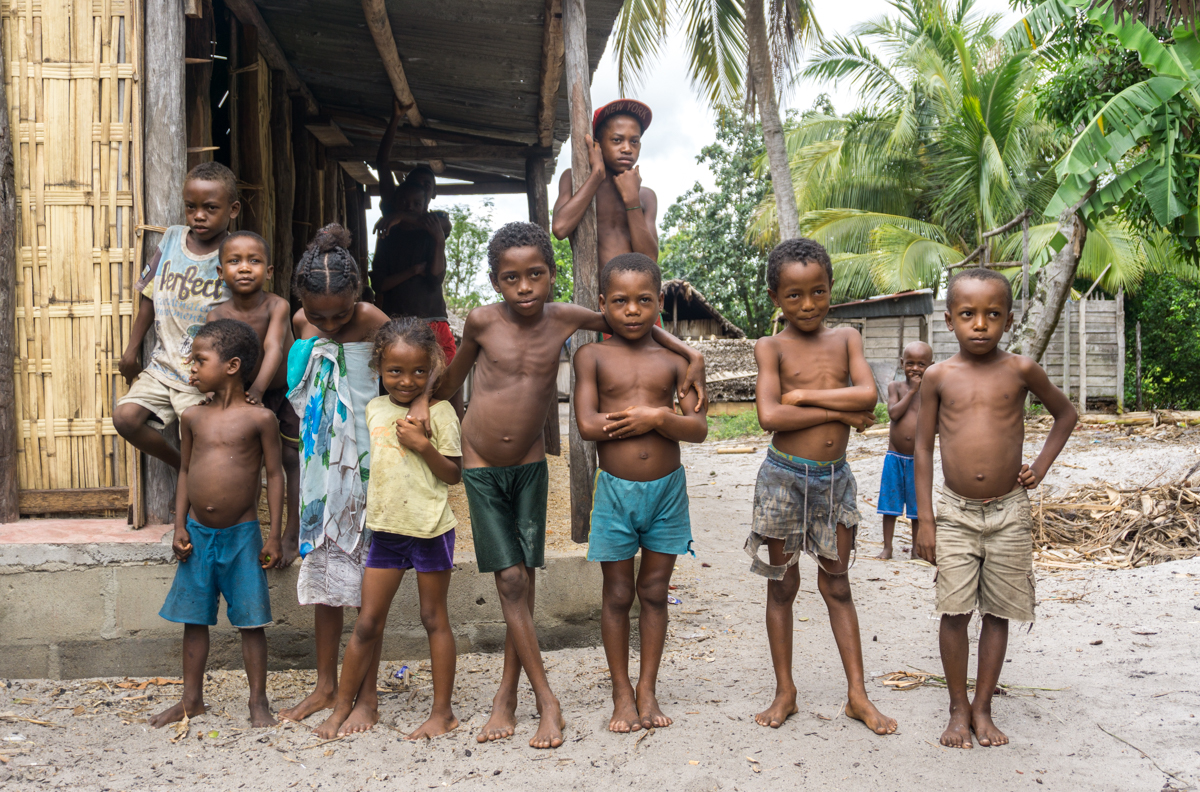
409	513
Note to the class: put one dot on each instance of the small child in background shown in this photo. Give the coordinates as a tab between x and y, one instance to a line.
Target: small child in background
331	381
982	540
897	486
408	512
244	264
625	401
218	541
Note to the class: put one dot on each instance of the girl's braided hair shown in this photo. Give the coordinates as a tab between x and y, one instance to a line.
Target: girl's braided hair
327	266
414	332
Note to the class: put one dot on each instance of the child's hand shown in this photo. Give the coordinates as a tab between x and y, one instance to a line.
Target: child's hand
633	421
861	420
924	544
271	556
418	413
793	398
129	366
182	544
254	396
694	378
289	551
411	434
629	185
1028	478
433	227
595	155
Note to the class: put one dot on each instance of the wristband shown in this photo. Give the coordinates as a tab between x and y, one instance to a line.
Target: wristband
631	208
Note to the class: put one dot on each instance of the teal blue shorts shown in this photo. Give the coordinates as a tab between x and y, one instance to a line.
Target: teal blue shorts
224	563
627	515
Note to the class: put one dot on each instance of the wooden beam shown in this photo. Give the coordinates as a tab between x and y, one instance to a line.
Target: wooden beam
56	501
359	171
306	174
283	166
425	153
375	12
247	12
9	441
584	249
330	134
552	70
354	118
483	188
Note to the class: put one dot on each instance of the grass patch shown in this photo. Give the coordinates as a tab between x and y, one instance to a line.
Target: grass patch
727	427
881	415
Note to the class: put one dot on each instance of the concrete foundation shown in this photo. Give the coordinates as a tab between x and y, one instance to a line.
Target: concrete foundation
70	610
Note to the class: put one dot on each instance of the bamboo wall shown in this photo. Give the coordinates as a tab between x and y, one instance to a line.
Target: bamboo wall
75	113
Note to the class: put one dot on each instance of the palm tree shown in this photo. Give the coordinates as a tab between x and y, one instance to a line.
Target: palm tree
738	50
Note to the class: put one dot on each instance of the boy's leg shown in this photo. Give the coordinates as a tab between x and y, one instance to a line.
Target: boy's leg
291	530
254	656
378	588
328	630
780	596
503	720
515	586
130	419
956	649
433	588
889	530
616	601
993	644
914	527
834	585
195	657
654	580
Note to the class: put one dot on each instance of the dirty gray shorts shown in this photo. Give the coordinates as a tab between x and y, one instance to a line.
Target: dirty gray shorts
985	555
801	502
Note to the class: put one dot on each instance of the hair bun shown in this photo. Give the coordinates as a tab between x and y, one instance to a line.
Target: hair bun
330	237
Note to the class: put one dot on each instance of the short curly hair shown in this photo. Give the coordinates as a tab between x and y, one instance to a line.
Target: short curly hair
981	274
790	251
233	339
215	172
244	233
631	262
519	234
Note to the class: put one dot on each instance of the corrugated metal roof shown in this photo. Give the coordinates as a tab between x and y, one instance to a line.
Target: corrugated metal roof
474	66
909	303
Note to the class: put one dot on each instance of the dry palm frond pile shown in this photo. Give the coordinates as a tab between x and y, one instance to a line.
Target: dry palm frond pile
1099	526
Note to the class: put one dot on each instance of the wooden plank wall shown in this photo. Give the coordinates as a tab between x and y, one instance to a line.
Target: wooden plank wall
74	114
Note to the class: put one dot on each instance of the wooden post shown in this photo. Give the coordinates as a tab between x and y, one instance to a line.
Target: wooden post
1137	361
1083	355
584	250
1120	326
200	35
165	166
284	166
539	212
1024	266
250	155
305	175
9	477
1066	372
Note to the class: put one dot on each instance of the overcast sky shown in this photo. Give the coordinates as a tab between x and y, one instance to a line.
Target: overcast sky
683	122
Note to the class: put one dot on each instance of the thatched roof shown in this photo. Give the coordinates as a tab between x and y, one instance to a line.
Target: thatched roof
692	306
729	368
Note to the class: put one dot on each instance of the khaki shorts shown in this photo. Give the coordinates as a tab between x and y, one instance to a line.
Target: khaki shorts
985	556
165	403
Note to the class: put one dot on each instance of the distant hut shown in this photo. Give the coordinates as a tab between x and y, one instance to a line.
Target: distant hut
691	317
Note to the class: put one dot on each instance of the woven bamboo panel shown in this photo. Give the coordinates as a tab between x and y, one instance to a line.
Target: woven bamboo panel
75	111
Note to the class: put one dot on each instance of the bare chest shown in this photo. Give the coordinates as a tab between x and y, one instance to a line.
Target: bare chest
807	366
624	380
985	398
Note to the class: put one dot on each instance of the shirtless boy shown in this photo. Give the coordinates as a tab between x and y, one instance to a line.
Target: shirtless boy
625	401
982	540
897	487
224	444
814	384
516	344
244	264
625	210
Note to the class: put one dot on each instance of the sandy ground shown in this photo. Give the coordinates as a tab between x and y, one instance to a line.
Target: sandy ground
1109	665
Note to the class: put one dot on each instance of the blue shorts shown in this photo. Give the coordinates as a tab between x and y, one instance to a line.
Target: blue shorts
898	487
224	562
627	515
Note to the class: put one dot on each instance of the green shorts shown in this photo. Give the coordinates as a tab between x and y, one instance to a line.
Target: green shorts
508	514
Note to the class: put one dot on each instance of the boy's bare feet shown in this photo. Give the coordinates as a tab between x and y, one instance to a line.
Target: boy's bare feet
360	719
958	732
503	721
437	724
175	714
549	733
648	710
885	554
989	736
625	717
315	702
260	714
859	707
330	727
782	708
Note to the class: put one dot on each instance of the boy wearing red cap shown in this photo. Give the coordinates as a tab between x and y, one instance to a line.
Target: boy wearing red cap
625	210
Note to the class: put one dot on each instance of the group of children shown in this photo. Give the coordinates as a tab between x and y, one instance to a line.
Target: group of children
360	425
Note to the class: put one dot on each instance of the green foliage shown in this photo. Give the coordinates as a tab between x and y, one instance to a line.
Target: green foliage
881	415
704	231
564	276
1170	317
466	259
727	427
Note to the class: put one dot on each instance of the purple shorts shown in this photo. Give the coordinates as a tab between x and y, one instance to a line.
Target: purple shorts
396	551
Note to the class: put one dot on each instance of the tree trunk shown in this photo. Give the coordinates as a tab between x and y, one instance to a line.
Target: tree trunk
1053	287
9	477
762	81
